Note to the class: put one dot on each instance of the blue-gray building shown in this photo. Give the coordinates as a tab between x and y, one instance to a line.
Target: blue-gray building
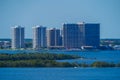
54	37
82	34
71	36
92	34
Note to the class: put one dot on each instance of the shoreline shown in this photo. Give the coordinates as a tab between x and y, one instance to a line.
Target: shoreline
48	60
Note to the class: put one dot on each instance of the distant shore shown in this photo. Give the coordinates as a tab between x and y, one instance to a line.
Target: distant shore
46	60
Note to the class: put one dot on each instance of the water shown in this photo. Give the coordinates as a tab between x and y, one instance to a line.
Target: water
59	73
106	56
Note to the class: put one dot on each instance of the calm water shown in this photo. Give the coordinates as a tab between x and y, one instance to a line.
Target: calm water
107	56
59	73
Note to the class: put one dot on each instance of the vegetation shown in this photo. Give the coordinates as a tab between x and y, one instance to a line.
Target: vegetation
103	64
34	63
28	44
35	60
46	60
34	56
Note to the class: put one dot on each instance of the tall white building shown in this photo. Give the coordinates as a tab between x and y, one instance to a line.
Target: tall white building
39	37
18	37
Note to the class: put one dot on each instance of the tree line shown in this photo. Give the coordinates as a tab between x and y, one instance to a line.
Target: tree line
34	56
46	60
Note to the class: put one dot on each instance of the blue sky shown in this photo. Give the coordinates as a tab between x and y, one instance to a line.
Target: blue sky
52	13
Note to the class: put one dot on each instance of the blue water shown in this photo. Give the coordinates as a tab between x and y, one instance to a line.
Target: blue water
106	56
59	73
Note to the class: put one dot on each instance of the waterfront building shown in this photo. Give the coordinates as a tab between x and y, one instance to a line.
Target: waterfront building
5	44
17	37
1	44
54	38
92	34
39	37
72	36
82	34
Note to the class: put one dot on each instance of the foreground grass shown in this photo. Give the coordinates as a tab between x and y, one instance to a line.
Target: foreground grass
45	60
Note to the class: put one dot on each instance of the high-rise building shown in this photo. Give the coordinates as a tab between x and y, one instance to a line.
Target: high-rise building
71	33
92	34
54	38
18	37
81	34
39	37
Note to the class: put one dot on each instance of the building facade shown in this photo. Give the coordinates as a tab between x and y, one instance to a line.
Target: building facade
54	38
92	34
72	36
18	37
39	37
82	34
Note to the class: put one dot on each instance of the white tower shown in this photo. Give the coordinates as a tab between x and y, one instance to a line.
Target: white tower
17	37
39	37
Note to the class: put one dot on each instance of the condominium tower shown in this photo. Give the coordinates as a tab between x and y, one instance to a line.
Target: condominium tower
17	37
54	38
81	34
92	34
39	37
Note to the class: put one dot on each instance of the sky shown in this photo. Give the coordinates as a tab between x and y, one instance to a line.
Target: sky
53	13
